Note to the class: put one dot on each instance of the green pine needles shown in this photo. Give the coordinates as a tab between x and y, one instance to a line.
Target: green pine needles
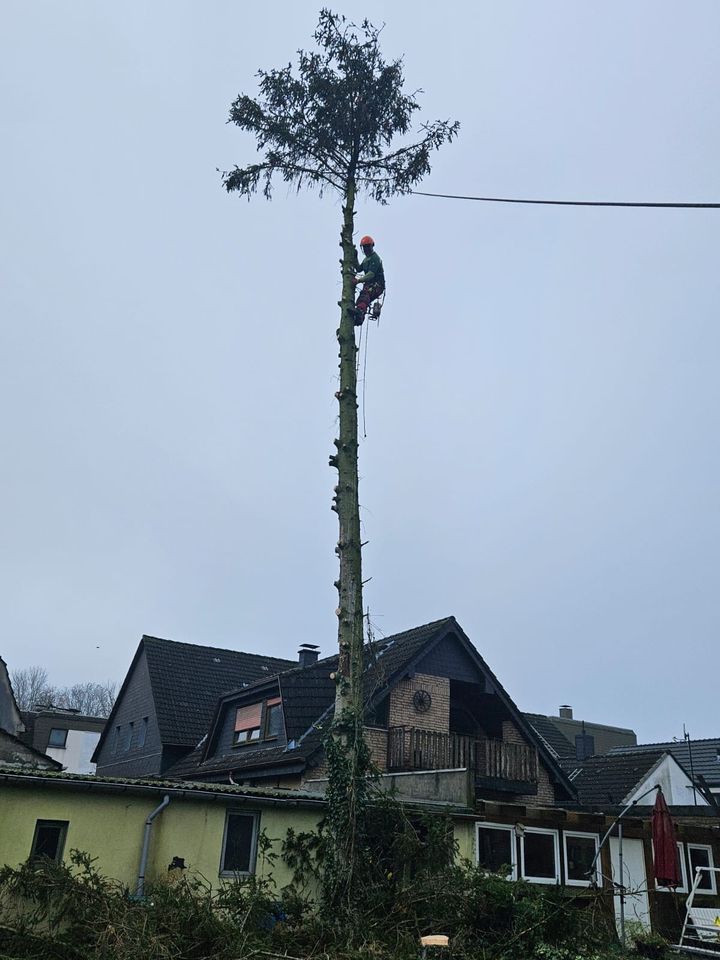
336	119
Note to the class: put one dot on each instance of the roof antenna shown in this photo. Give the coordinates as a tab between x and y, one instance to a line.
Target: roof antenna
686	738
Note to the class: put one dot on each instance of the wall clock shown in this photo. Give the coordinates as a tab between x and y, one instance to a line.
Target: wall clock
422	701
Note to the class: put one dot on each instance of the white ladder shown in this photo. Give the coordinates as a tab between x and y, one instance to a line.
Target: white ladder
701	930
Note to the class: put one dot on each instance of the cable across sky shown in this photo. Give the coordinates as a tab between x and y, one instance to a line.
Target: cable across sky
572	203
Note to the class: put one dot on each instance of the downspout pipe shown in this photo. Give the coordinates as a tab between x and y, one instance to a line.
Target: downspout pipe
140	888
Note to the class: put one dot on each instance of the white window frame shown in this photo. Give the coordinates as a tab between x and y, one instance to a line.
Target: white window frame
712	892
585	836
553	881
229	874
508	828
683	888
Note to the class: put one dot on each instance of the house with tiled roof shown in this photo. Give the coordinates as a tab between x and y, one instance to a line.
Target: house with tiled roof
569	737
700	757
614	780
65	734
166	701
432	704
232	747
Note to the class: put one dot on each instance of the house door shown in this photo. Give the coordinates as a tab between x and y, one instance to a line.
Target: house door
637	907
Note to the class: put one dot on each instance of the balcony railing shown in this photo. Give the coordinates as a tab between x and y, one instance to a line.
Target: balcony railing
499	760
410	748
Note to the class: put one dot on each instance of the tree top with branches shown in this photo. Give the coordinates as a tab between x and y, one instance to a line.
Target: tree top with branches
335	119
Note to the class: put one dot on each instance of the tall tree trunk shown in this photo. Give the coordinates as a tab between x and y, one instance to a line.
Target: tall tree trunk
349	585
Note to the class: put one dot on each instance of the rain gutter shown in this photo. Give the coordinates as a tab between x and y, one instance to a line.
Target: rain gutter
179	793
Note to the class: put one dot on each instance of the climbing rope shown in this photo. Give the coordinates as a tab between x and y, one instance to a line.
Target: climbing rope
369	317
367	337
357	353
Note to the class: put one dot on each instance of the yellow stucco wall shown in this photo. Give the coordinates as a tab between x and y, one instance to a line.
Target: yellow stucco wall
110	827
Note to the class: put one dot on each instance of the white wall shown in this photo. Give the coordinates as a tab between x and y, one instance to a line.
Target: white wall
675	783
75	755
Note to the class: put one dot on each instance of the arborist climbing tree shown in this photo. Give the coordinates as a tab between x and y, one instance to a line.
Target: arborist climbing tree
339	122
372	276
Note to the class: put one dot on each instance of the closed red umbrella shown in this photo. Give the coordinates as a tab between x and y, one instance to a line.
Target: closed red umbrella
665	851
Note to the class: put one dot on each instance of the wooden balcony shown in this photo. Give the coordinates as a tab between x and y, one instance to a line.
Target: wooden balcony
495	764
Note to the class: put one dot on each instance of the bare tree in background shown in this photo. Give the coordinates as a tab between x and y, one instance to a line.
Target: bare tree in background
92	699
32	688
31	685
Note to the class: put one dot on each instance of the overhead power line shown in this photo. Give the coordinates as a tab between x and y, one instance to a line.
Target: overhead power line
571	203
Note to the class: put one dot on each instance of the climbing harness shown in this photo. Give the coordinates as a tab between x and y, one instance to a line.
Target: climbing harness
376	307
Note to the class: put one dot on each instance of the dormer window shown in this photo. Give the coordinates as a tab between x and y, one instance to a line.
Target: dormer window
247	723
260	721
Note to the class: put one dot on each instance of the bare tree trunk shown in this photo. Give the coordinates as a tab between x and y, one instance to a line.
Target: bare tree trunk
349	585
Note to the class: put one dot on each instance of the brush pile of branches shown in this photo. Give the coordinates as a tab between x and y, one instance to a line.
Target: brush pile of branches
414	885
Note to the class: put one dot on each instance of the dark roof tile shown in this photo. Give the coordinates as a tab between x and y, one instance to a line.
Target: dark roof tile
607	780
241	760
558	744
187	681
308	695
705	755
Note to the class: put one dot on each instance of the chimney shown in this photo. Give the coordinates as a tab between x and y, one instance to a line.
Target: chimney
565	711
584	745
308	654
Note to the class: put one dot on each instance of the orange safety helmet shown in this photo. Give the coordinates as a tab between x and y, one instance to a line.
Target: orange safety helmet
367	242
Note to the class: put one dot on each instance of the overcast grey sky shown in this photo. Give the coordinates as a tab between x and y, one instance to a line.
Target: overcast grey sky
542	392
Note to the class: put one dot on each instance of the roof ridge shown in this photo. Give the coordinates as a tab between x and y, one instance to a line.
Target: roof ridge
298	668
667	743
205	646
421	626
607	757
